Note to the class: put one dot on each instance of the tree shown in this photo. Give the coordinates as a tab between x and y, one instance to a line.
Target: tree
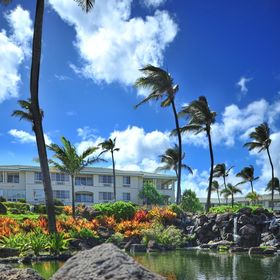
220	170
247	174
150	195
273	185
70	162
261	142
231	190
190	202
200	119
34	108
216	188
110	146
253	197
170	160
162	88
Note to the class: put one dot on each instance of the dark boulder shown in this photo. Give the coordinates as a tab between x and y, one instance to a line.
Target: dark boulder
7	272
262	250
245	210
135	248
249	236
8	252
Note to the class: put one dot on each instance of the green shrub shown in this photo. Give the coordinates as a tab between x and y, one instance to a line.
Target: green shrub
2	199
190	202
3	209
38	242
117	238
22	200
18	241
17	205
17	211
120	210
227	208
84	233
170	236
58	202
41	209
57	243
176	209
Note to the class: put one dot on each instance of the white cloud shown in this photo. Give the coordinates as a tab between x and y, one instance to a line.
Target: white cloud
62	77
26	137
14	48
86	132
154	3
113	45
242	83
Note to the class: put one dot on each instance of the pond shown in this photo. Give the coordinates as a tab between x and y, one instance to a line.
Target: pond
197	264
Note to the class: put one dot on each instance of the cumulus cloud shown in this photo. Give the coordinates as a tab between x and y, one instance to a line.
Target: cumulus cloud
154	3
113	45
14	49
26	137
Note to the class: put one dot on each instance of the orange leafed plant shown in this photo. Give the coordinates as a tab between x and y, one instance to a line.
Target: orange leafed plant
8	226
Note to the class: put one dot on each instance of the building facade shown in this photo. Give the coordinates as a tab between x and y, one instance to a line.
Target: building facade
92	185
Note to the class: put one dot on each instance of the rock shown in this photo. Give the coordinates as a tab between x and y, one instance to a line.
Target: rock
134	248
8	252
103	262
132	240
262	250
215	245
201	220
244	220
222	218
104	232
238	250
249	236
245	210
153	246
7	272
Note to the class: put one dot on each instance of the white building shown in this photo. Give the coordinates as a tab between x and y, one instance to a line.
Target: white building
93	185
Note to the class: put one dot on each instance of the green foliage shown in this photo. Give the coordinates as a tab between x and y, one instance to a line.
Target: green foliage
227	208
17	205
170	236
22	200
58	202
2	199
41	209
117	238
120	210
176	209
150	195
84	233
19	241
16	211
190	202
57	243
38	242
3	209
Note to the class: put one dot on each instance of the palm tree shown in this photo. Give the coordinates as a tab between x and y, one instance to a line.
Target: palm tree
110	146
247	174
70	162
261	141
231	190
220	170
253	197
273	185
162	88
170	159
216	188
34	108
200	120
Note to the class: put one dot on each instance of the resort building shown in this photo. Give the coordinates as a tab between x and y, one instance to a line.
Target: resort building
92	185
265	201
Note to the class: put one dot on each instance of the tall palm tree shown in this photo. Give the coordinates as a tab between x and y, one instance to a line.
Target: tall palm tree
110	146
220	170
200	120
247	174
253	197
261	141
70	162
163	88
231	190
216	188
170	159
35	110
273	185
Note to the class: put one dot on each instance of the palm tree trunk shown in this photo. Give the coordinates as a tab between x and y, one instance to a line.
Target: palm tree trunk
218	197
114	177
211	171
179	195
36	114
232	200
272	174
252	188
73	196
225	186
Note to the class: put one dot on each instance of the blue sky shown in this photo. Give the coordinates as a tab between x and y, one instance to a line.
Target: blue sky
225	50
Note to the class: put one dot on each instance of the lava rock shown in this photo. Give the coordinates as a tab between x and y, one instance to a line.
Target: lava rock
7	272
262	250
245	210
8	252
135	248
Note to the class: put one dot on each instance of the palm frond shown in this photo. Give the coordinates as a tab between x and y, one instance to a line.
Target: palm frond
86	5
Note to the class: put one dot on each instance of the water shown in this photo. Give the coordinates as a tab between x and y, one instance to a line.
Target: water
198	265
235	235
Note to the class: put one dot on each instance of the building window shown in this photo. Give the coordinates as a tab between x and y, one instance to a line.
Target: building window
105	196
61	194
38	176
13	178
105	179
1	177
39	195
14	195
126	196
59	177
84	197
84	181
126	180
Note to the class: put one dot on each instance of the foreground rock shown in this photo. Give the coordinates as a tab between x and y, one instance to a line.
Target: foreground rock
103	262
9	273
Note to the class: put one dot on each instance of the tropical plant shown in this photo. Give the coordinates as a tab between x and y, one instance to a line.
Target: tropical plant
170	160
190	202
110	146
253	197
37	241
220	170
247	174
34	109
57	243
216	188
230	191
150	195
18	241
70	162
200	119
273	185
261	142
162	88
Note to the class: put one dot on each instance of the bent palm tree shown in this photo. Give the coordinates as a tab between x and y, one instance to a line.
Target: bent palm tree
110	146
247	174
200	120
170	159
162	88
253	197
231	190
70	162
261	141
35	110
